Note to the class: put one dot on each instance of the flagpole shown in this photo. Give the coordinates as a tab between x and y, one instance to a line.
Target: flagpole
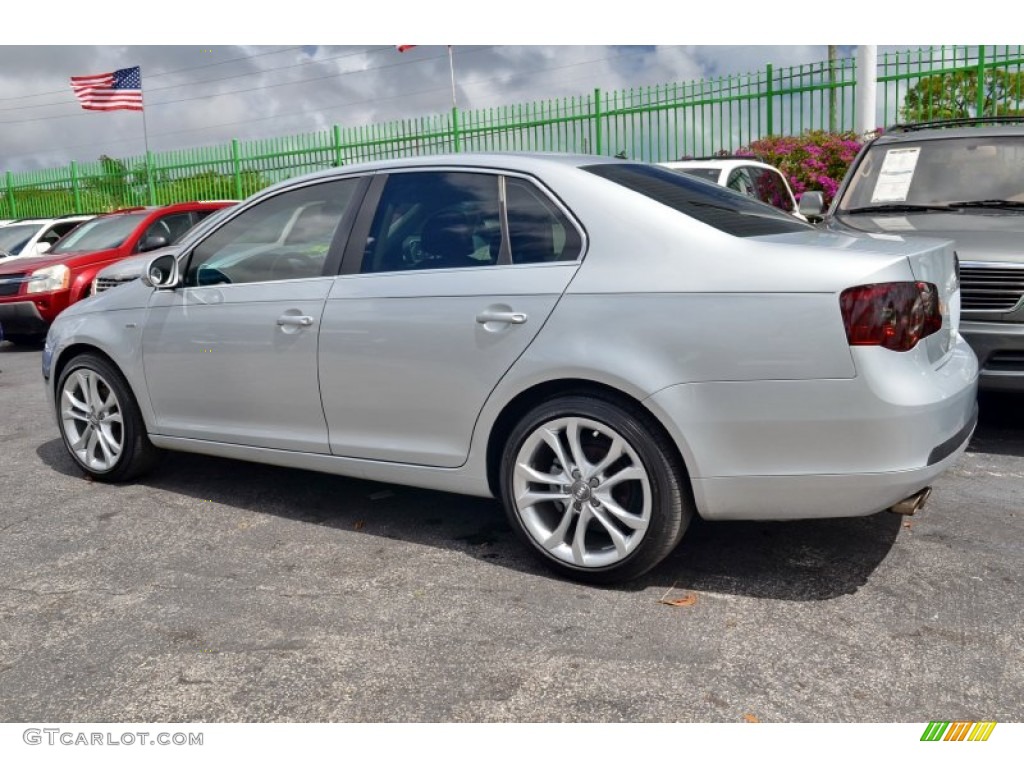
451	68
151	190
145	132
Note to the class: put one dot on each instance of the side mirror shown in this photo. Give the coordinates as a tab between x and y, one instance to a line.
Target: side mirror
42	247
161	272
812	205
152	242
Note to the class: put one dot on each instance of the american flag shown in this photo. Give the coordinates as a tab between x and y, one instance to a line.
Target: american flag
120	89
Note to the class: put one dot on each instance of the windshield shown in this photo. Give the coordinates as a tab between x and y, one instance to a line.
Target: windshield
100	234
938	172
703	173
14	236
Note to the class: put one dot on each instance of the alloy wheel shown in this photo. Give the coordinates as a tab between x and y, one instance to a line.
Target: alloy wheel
582	492
92	420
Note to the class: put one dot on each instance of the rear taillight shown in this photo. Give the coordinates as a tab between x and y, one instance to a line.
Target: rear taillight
891	315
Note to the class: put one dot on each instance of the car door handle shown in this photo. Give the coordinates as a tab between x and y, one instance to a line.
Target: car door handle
494	316
302	321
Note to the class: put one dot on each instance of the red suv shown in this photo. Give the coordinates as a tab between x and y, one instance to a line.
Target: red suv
34	290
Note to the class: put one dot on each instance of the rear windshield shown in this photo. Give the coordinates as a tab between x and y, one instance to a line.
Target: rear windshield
711	204
99	234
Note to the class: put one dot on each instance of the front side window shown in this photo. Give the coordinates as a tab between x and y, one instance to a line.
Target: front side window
165	231
771	188
938	172
740	181
57	231
286	237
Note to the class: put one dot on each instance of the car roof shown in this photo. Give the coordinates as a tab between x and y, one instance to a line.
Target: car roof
195	205
717	162
53	220
951	129
518	161
522	162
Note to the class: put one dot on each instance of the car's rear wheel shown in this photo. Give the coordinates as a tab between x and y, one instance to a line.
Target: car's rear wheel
595	488
100	422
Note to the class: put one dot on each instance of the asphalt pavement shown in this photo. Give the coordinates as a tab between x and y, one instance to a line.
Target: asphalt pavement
216	590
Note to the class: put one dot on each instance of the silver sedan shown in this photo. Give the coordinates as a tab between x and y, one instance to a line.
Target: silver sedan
608	347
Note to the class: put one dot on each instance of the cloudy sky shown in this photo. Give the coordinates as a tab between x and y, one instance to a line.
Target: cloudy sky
200	93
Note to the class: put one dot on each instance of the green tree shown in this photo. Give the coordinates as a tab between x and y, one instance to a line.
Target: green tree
955	94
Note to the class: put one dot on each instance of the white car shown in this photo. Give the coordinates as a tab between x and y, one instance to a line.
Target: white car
34	237
745	175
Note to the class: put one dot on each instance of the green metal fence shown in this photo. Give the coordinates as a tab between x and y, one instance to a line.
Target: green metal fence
652	123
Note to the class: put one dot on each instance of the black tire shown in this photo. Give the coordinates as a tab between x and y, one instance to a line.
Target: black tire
136	454
654	481
23	339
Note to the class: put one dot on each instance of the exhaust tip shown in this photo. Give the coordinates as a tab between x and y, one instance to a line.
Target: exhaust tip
912	503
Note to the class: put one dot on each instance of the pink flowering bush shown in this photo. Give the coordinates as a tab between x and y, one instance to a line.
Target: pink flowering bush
816	160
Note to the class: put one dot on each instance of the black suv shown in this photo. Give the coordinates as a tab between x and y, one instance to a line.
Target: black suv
961	180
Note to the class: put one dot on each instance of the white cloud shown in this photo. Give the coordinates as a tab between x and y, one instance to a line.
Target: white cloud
200	94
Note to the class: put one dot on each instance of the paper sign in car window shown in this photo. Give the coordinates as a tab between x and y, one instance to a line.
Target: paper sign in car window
895	176
893	223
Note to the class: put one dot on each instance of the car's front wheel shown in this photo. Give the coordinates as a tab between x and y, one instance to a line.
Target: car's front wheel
595	488
100	422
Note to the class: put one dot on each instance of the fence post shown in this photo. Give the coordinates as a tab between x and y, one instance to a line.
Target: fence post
597	122
336	137
150	186
981	81
236	167
76	194
770	94
455	130
10	196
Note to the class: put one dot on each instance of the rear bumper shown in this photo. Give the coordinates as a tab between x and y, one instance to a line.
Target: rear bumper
820	496
22	317
778	450
1000	351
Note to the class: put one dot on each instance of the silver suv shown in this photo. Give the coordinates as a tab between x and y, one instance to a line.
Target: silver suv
961	180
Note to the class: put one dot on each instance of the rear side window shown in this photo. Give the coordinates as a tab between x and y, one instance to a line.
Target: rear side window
456	219
537	231
715	206
435	220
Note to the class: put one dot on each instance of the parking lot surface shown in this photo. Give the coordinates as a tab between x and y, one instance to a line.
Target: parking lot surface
215	590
